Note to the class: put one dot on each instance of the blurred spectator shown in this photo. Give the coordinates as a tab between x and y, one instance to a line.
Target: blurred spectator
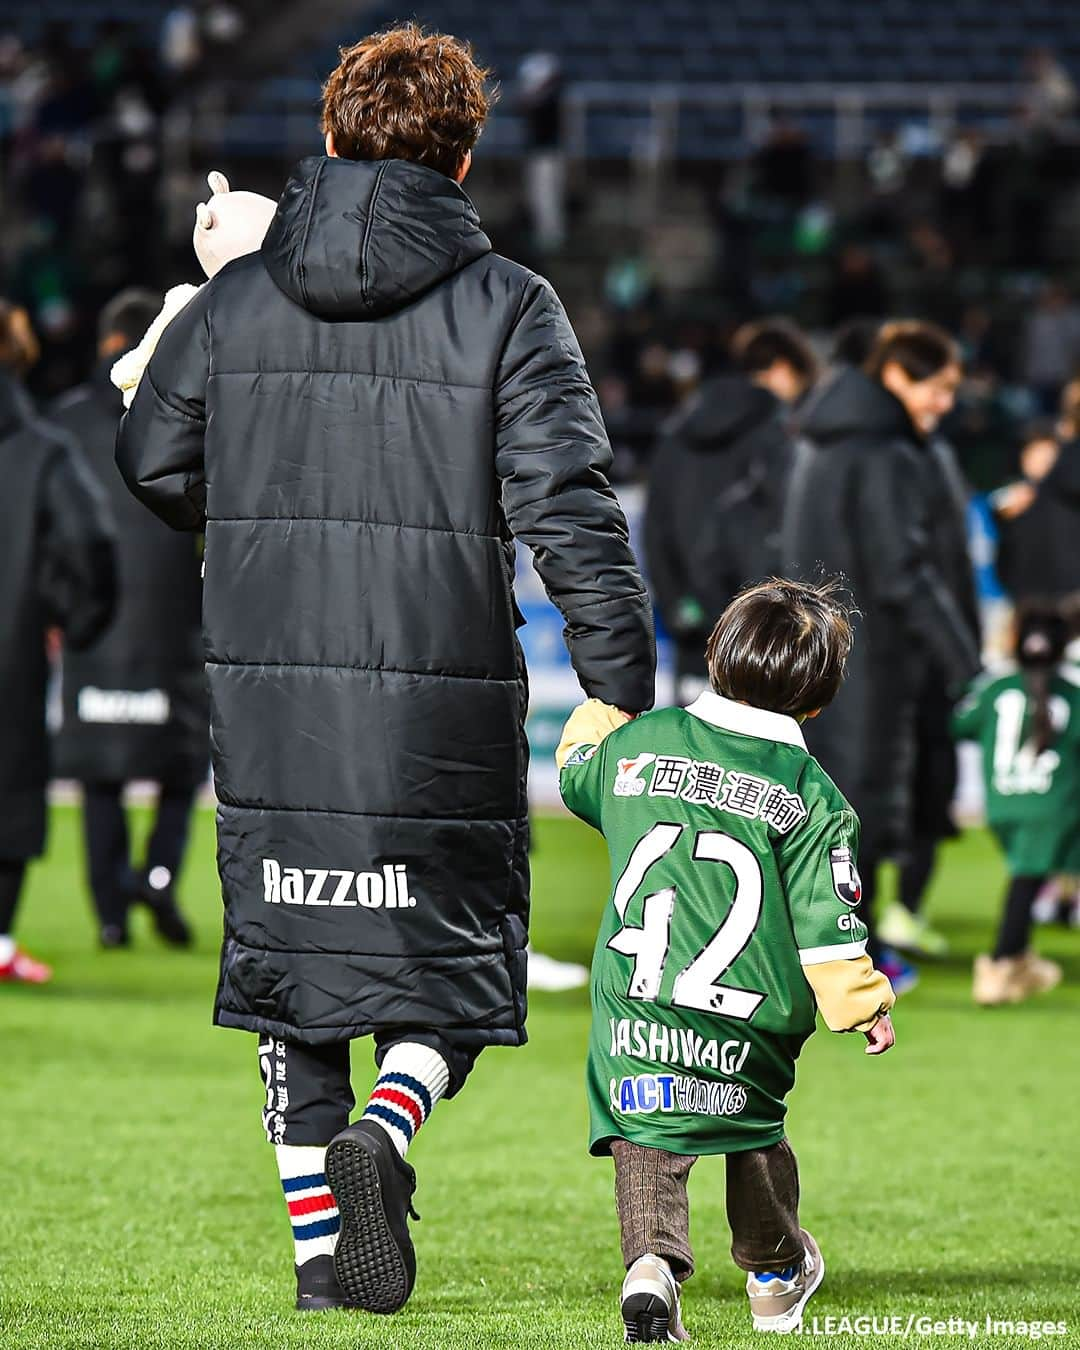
640	391
887	165
903	924
540	88
190	31
1034	527
135	702
857	288
181	45
1050	97
853	341
715	488
968	189
56	569
783	166
1051	345
859	503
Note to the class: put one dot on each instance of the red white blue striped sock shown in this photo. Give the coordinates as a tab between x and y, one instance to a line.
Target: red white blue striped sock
411	1080
313	1211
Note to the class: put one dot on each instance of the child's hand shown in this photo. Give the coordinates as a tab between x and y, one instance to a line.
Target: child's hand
588	724
881	1036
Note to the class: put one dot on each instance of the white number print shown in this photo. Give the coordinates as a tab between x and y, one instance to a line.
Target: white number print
697	985
1017	768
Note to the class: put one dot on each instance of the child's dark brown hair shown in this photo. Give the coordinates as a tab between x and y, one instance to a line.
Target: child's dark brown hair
782	645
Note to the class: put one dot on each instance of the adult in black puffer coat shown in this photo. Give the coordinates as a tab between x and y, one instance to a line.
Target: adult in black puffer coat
362	418
860	503
716	486
135	702
56	569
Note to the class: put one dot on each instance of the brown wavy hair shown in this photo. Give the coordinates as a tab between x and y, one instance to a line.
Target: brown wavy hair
407	94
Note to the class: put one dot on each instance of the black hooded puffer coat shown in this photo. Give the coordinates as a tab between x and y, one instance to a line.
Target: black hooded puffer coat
57	566
860	502
135	702
716	491
363	416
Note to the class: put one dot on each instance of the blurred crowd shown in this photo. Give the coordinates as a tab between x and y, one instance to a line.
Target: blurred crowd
82	158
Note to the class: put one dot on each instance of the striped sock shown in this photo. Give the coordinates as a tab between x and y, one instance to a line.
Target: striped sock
411	1080
313	1212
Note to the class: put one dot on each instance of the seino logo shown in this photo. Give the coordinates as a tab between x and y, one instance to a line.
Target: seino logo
388	889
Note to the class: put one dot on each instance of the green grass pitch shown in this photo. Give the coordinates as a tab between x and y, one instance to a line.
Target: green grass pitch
142	1206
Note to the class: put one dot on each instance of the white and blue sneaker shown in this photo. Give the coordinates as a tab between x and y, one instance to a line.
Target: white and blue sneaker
778	1297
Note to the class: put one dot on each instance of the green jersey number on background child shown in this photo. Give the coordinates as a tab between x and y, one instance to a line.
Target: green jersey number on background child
732	918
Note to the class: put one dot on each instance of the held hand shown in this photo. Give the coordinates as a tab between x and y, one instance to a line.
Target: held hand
881	1036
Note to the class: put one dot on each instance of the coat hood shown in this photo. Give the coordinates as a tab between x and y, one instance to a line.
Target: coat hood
852	404
358	239
722	411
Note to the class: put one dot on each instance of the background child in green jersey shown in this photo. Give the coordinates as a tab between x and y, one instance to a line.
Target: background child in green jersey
733	862
1027	720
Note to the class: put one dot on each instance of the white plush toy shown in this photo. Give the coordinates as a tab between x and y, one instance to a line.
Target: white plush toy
229	225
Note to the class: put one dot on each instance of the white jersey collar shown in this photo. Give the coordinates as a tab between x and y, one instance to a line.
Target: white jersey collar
731	716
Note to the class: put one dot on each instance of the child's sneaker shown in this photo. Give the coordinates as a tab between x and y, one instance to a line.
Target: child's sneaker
994	981
650	1302
1035	975
317	1287
910	932
778	1297
1011	979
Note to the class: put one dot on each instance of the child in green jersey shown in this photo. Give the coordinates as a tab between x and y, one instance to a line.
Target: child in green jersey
732	919
1027	720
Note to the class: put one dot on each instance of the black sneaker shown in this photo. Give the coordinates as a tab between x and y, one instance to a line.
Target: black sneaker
317	1286
373	1186
113	935
171	925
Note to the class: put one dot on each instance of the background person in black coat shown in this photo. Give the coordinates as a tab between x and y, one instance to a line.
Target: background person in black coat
716	488
859	504
363	417
1037	530
135	701
56	569
1038	518
903	924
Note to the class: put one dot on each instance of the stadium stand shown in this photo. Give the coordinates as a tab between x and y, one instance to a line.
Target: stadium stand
798	42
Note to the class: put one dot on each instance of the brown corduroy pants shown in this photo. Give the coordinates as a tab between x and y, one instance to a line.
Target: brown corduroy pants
762	1206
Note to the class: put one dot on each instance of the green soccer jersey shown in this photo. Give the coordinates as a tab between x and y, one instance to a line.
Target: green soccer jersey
733	865
1032	799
